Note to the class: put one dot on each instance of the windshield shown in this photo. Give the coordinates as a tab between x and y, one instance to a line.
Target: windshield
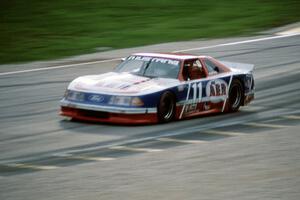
150	66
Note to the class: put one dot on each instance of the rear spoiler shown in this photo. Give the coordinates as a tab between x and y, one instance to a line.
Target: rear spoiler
239	66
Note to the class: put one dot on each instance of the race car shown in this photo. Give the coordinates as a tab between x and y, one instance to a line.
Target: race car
159	88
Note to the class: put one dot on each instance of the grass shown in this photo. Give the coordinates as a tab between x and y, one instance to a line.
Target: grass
41	30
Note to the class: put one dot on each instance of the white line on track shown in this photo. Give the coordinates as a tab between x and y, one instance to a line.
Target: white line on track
88	158
265	125
124	148
59	67
229	133
182	141
296	117
290	31
29	166
252	108
183	50
236	43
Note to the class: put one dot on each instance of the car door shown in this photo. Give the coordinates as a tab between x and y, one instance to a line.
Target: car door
194	75
206	88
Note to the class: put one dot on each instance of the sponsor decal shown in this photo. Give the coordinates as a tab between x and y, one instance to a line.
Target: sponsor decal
143	58
190	108
167	61
216	90
96	98
159	60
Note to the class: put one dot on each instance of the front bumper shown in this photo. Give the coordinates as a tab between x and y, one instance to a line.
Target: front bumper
109	114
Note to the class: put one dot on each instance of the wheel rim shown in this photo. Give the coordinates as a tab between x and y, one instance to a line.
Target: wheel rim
167	108
236	95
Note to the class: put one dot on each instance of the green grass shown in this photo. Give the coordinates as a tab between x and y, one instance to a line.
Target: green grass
38	30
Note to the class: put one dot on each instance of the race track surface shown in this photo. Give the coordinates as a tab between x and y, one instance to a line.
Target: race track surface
251	154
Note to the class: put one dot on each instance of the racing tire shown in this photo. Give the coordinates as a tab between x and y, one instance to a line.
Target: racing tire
166	108
236	96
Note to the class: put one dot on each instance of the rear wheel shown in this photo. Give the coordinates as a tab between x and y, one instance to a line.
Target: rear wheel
166	108
236	96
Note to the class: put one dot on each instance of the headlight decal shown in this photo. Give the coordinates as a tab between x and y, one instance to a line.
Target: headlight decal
103	99
126	101
74	96
120	100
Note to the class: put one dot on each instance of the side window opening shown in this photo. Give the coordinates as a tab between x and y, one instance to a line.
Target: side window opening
193	70
211	67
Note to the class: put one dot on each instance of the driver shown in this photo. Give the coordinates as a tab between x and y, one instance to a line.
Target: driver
194	70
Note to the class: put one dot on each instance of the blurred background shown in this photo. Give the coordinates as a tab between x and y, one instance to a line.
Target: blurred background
41	30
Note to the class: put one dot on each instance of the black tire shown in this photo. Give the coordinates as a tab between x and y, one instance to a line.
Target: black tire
166	108
236	96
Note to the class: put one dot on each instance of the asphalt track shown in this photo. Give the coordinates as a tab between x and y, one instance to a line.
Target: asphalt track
251	154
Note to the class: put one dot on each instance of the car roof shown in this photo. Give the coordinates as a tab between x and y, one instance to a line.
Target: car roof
176	56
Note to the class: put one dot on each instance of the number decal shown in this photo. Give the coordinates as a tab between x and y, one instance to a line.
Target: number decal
190	104
197	92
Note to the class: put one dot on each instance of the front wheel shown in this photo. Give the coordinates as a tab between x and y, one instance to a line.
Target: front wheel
236	96
166	108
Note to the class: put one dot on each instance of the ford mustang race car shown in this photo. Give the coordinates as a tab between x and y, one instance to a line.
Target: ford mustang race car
159	87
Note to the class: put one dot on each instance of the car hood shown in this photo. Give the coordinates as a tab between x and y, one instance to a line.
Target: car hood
121	84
